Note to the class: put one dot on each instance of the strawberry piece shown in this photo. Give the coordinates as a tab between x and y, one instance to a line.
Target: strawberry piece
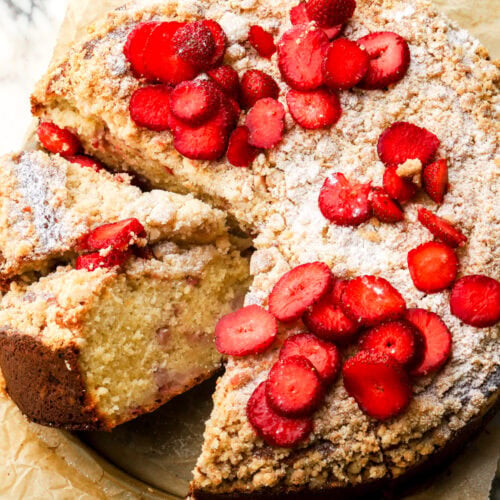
228	80
324	356
475	300
345	64
384	207
265	122
441	228
344	202
338	289
396	187
389	59
161	60
300	56
400	339
435	180
195	44
220	41
239	152
370	300
135	45
58	140
86	161
117	235
249	330
149	107
437	340
194	102
433	266
404	141
95	260
299	289
378	383
256	85
298	15
262	41
274	429
328	13
314	109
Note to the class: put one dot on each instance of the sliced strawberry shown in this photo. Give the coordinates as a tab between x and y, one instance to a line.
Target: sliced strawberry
475	300
384	207
370	300
298	15
135	45
314	109
265	122
435	180
195	44
396	187
400	339
345	64
441	228
117	235
58	140
299	289
95	260
328	13
338	289
228	80
437	340
249	330
239	152
220	40
194	102
149	107
300	56
274	429
161	60
262	41
256	85
294	388
404	141
378	383
324	356
344	202
86	161
389	59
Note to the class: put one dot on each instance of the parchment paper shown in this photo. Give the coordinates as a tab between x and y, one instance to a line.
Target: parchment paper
38	462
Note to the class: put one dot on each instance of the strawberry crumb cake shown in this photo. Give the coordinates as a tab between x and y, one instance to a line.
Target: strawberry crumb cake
357	143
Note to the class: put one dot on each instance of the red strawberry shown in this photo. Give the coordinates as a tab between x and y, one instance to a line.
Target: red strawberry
370	300
228	80
256	85
314	109
345	64
399	339
194	102
298	289
135	45
265	122
161	60
117	235
338	289
300	56
262	41
384	208
404	141
324	356
150	107
378	383
344	202
274	429
294	388
220	40
437	340
249	330
389	59
396	187
95	260
239	152
298	15
435	180
58	140
433	266
328	13
86	161
195	44
475	300
441	228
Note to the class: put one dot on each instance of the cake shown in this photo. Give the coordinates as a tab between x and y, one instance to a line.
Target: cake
310	194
